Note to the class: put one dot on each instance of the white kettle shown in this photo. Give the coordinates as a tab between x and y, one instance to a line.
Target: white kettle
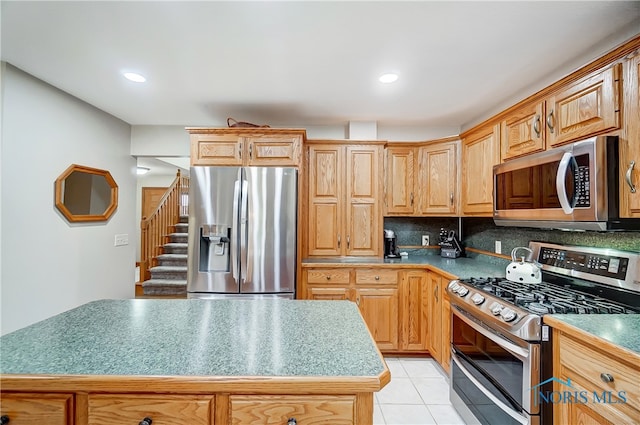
523	271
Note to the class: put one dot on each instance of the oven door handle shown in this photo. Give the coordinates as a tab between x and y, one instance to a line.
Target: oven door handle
521	353
508	410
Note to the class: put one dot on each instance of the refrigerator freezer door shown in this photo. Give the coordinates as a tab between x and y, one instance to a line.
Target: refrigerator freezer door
214	193
269	237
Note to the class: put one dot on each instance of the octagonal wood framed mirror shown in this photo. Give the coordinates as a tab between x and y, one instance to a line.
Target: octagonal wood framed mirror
86	194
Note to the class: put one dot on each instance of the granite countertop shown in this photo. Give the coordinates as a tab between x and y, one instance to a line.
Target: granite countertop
462	267
622	330
183	337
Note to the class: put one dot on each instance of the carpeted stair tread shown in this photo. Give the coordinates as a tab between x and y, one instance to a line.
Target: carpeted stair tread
168	269
168	282
173	256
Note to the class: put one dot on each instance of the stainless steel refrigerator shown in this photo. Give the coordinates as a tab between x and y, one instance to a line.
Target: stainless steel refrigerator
242	232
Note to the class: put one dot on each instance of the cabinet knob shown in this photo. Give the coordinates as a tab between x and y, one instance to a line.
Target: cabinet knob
4	419
292	421
377	277
606	377
328	277
146	421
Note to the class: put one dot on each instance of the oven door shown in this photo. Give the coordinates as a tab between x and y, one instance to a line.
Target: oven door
491	376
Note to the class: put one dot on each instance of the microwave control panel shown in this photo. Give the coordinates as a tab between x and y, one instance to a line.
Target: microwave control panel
582	190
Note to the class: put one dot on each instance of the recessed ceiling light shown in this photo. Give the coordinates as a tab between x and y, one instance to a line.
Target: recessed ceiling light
142	170
388	78
136	78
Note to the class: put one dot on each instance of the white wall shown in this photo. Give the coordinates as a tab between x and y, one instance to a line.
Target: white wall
50	265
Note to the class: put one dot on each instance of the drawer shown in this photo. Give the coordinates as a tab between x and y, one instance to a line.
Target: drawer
121	409
584	365
380	276
328	275
37	409
306	410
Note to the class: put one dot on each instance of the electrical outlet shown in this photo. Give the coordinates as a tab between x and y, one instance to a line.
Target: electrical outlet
425	240
121	240
498	247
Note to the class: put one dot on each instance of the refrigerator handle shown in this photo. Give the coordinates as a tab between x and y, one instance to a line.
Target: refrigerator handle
234	231
243	231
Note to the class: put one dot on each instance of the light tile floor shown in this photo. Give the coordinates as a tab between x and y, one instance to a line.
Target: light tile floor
417	394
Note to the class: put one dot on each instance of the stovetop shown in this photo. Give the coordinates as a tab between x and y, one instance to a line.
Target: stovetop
543	298
575	280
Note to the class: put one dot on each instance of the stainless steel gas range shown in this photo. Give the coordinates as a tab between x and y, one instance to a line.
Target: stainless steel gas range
500	346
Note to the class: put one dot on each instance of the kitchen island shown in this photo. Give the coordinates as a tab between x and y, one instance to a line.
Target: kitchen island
194	362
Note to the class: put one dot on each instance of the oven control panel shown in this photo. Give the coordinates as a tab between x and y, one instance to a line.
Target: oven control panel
596	264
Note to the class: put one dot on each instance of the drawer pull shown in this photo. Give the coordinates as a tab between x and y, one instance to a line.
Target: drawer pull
292	421
606	377
146	421
328	277
627	177
4	419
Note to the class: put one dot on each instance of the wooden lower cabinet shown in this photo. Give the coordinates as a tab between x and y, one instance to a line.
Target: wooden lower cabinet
595	370
37	408
279	410
379	308
413	310
435	316
117	409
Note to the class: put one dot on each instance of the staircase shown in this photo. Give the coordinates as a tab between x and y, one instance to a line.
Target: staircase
169	276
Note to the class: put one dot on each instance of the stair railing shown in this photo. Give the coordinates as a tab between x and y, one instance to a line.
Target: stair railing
154	229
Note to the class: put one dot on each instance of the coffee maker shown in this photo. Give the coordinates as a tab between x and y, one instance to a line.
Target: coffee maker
390	244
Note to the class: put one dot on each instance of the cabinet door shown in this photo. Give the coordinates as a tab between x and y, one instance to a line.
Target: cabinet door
281	151
414	310
107	409
216	149
326	202
590	106
379	308
523	131
480	152
435	316
438	178
399	191
37	409
363	215
630	151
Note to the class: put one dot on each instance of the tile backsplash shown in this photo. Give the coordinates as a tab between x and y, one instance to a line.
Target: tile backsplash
481	233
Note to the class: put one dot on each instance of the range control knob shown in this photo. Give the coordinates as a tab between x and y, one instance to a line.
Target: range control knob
462	291
453	286
495	308
508	315
477	299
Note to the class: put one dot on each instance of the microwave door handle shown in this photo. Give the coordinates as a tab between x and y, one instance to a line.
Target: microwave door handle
566	160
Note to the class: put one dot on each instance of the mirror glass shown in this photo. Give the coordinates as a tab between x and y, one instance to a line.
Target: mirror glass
86	194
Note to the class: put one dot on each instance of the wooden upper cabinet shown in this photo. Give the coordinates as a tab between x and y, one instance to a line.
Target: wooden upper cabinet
480	152
630	151
399	183
325	200
437	182
523	131
345	216
364	215
587	107
246	146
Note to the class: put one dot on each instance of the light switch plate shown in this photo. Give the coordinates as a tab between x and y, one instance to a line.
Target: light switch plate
121	240
425	240
498	247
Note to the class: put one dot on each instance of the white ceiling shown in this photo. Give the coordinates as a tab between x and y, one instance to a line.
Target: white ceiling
307	63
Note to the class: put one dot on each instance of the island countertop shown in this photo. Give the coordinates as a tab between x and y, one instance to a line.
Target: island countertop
199	339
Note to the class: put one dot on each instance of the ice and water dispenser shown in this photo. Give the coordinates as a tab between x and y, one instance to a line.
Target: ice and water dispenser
215	248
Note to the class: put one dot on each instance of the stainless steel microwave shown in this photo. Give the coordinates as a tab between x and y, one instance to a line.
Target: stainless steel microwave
575	187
